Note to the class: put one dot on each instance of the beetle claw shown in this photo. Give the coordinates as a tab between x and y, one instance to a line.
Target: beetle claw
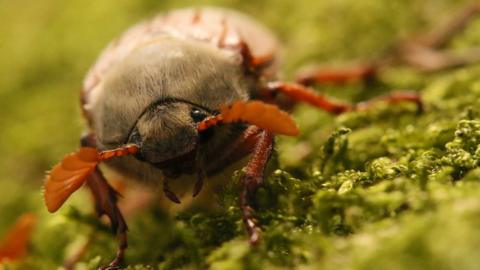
199	183
170	195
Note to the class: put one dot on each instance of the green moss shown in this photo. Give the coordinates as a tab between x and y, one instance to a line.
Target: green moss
385	188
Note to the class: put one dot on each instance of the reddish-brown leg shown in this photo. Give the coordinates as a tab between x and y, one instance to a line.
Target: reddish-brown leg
300	93
106	198
259	143
199	183
106	204
429	60
252	179
251	63
393	98
72	261
238	149
425	53
441	37
201	174
169	193
337	76
254	63
134	200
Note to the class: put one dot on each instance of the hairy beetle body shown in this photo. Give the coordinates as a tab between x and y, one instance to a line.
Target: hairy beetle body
208	25
192	56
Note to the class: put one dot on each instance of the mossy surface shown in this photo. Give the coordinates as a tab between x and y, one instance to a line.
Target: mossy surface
385	188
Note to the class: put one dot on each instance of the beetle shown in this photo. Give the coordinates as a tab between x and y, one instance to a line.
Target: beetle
189	93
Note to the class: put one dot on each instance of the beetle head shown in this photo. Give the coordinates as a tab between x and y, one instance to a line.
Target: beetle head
167	129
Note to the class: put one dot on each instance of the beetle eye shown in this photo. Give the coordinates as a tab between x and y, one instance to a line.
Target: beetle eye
197	115
135	137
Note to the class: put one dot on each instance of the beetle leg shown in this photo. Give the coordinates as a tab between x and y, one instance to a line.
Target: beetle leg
199	183
393	98
71	261
237	150
430	60
260	143
169	193
201	174
252	179
106	198
441	37
425	52
300	93
251	63
106	204
337	76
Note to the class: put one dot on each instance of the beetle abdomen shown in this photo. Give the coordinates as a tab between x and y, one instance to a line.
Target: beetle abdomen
221	28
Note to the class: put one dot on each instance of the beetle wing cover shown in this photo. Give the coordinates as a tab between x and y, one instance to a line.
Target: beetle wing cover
262	115
14	245
68	176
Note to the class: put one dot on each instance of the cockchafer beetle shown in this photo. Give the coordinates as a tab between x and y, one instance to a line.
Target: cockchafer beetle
190	92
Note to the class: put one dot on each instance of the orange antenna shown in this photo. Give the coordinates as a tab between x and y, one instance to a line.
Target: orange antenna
118	152
265	116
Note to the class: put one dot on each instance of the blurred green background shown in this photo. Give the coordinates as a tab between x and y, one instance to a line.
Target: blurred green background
47	46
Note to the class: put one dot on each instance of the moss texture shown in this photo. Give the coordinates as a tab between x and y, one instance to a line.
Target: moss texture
385	188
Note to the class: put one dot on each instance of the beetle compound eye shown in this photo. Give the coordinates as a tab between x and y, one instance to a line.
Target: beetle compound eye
197	115
135	137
